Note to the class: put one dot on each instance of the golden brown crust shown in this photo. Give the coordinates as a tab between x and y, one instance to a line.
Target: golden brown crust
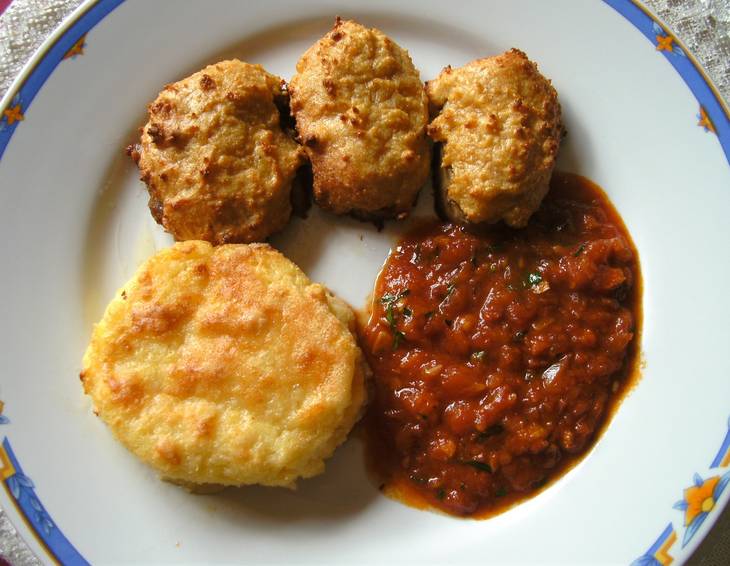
498	120
226	366
361	113
214	157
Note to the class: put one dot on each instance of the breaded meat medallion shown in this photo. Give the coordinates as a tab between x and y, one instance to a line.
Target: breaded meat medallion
499	128
361	112
216	161
226	365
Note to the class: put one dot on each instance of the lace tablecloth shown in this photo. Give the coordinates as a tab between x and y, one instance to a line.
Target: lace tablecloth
703	26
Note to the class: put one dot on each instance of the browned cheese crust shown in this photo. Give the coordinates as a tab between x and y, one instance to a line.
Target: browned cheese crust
361	112
498	120
226	365
215	159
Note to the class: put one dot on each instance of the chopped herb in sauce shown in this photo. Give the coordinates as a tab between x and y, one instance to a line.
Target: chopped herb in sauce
478	356
449	291
390	300
481	466
580	250
398	337
533	279
491	431
389	316
621	292
501	492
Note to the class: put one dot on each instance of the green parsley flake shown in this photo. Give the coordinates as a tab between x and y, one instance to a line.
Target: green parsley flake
398	337
481	466
390	298
491	431
449	291
533	279
389	316
580	250
478	356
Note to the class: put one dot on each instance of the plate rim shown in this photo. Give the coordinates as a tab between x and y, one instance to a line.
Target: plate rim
713	116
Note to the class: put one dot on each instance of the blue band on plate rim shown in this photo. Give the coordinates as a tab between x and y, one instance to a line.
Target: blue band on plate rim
699	499
21	490
713	113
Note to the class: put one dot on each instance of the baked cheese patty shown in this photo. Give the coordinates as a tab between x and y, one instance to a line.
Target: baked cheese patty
226	365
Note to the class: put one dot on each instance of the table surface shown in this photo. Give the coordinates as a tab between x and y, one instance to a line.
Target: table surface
702	25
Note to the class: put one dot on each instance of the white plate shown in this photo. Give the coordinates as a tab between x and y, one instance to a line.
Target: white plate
74	225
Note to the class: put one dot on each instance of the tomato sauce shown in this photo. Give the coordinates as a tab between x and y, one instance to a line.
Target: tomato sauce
498	354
